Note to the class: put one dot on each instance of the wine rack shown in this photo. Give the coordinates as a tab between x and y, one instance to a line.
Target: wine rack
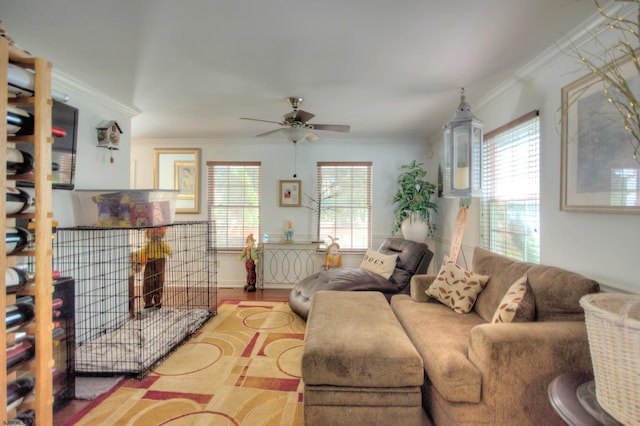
64	347
41	254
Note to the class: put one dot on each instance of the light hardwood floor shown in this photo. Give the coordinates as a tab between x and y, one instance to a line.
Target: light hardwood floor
64	414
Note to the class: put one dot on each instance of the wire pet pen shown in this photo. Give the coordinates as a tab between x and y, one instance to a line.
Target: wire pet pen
140	292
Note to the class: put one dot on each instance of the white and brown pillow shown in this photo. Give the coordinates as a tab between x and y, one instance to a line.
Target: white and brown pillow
456	287
518	304
378	263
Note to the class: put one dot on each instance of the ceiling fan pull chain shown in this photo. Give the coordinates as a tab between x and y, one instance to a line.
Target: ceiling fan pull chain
295	159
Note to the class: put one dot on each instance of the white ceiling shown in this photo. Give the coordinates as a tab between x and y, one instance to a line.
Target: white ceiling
194	67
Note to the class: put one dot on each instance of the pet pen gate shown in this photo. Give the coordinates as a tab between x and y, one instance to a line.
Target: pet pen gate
139	291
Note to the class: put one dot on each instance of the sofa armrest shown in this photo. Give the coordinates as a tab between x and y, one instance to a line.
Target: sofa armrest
419	284
518	361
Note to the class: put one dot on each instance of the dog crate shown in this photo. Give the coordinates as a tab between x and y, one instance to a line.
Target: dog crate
140	292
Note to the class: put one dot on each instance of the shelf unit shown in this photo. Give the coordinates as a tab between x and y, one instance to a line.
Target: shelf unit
64	348
41	255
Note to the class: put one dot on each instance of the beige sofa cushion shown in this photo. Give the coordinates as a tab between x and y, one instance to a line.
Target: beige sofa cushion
557	291
441	337
353	339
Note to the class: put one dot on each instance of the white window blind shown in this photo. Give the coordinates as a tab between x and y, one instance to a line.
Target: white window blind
234	190
510	212
624	187
344	199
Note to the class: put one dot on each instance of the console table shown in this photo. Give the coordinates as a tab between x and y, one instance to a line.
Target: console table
288	263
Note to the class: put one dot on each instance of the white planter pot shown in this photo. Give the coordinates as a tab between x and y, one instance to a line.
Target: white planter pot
414	228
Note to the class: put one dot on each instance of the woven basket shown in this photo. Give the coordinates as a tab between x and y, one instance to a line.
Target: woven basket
613	328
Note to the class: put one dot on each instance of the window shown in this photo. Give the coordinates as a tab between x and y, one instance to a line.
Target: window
624	187
344	203
510	212
234	190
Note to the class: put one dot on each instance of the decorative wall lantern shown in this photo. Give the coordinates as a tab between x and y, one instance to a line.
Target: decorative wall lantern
462	153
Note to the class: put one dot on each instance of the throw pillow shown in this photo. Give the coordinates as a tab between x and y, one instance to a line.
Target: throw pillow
456	287
518	304
378	263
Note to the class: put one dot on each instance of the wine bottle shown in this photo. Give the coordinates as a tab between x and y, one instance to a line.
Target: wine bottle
21	82
21	122
23	352
58	132
25	418
17	390
26	299
18	338
19	201
16	119
57	333
18	162
17	239
18	315
15	279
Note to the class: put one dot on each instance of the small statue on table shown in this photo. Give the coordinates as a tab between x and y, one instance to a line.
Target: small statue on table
288	232
249	253
334	258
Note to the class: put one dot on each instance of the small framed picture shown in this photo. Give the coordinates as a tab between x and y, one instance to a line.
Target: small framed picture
184	174
290	193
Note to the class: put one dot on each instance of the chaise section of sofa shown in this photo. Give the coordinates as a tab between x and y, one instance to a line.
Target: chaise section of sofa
412	258
478	372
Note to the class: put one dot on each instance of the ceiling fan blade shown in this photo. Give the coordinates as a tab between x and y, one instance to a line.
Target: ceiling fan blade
303	116
312	138
268	133
331	127
264	121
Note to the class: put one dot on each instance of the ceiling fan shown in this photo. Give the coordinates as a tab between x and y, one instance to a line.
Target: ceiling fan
296	124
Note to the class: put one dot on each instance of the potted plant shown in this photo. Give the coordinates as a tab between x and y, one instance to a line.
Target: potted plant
413	205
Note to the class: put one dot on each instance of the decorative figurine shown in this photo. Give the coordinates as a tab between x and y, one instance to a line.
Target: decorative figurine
333	259
250	254
136	263
288	232
155	251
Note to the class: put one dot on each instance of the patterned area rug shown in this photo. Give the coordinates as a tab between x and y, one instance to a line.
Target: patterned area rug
241	368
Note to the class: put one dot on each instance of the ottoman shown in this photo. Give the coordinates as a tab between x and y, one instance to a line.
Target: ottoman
358	365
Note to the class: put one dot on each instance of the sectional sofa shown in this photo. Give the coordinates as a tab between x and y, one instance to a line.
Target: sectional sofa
480	369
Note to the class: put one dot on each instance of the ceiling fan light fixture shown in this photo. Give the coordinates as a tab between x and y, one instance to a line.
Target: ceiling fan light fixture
297	124
296	134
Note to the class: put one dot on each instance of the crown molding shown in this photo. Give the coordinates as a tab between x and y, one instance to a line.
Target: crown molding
562	49
64	82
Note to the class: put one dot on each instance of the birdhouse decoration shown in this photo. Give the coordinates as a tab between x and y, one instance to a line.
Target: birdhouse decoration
109	132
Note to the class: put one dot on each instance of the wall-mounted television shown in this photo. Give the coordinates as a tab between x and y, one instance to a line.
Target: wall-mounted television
63	151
